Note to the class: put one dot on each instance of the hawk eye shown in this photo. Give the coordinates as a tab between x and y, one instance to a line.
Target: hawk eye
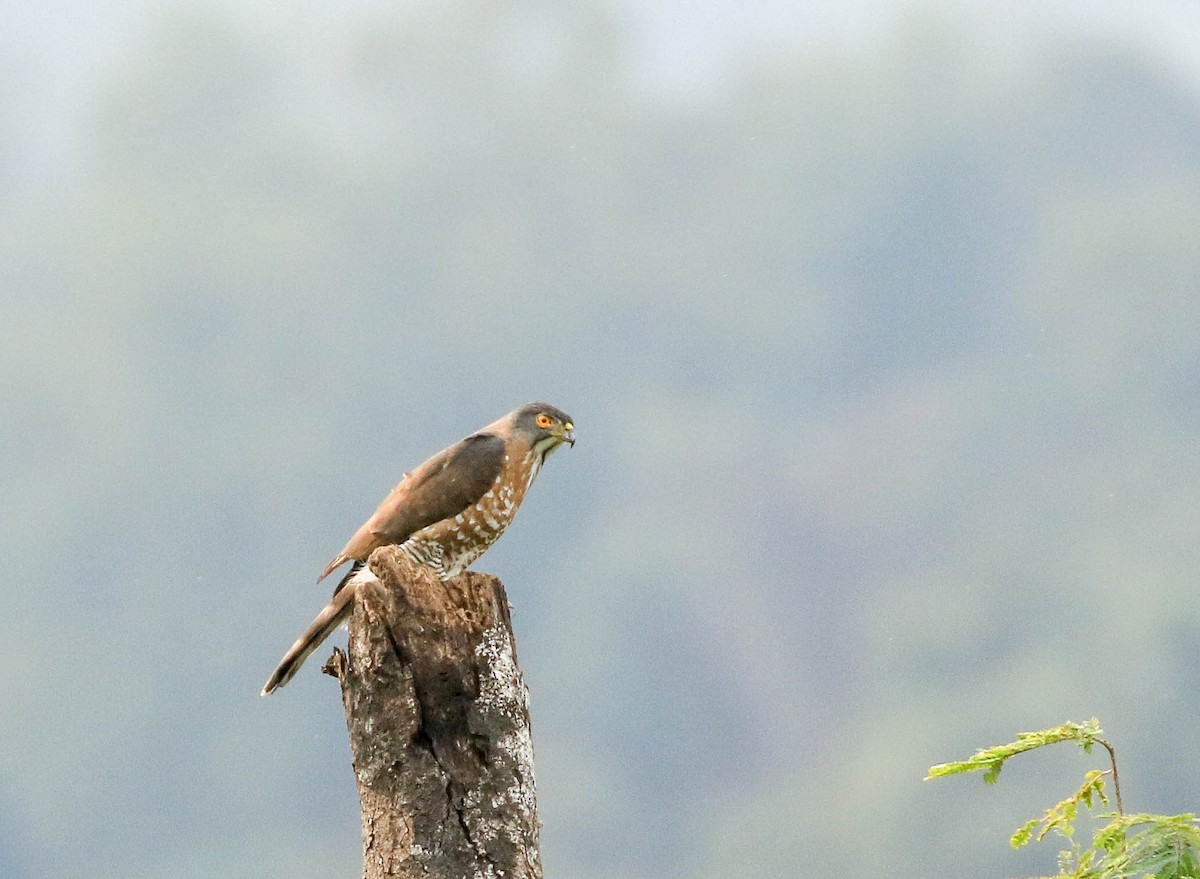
544	420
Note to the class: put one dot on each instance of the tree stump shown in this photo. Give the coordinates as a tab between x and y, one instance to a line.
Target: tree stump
438	716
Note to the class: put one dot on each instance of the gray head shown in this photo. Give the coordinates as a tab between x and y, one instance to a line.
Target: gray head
543	426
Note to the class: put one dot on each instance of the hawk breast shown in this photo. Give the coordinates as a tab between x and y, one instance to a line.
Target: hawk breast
451	544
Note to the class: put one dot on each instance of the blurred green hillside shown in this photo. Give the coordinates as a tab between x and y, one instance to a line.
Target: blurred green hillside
884	358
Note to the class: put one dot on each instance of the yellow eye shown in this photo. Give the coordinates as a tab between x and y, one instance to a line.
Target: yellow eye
544	420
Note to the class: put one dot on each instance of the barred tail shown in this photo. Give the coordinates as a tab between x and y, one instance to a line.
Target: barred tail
321	628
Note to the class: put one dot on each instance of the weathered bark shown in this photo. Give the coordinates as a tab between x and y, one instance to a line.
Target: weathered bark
438	716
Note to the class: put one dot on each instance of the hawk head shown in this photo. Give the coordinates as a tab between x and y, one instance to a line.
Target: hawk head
543	426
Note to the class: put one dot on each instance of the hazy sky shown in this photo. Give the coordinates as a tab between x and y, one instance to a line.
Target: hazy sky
50	53
67	35
61	41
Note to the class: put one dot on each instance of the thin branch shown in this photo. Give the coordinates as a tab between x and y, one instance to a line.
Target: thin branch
1112	756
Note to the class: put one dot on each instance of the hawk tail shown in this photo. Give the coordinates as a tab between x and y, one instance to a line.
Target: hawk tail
332	616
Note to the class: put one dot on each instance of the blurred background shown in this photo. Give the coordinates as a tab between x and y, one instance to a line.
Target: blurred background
879	321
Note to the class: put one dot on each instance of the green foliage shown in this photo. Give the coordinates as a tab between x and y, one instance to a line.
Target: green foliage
1163	846
990	760
1061	816
1141	845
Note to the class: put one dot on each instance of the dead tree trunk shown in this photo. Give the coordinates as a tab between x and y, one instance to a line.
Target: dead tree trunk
438	716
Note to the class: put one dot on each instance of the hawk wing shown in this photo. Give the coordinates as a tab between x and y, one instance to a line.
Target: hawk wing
442	487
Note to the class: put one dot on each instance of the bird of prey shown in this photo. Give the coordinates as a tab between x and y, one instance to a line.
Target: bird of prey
445	513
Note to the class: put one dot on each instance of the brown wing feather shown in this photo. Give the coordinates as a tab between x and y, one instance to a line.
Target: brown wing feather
444	486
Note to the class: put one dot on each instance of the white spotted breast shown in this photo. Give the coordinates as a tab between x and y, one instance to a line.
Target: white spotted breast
451	545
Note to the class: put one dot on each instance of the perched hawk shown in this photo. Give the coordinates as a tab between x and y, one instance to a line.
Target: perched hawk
444	514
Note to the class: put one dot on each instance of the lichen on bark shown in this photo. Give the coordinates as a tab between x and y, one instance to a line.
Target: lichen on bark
438	716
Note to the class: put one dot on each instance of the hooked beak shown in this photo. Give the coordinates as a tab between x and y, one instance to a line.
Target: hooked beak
568	435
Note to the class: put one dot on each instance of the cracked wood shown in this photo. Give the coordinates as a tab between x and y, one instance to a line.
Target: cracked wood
438	718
